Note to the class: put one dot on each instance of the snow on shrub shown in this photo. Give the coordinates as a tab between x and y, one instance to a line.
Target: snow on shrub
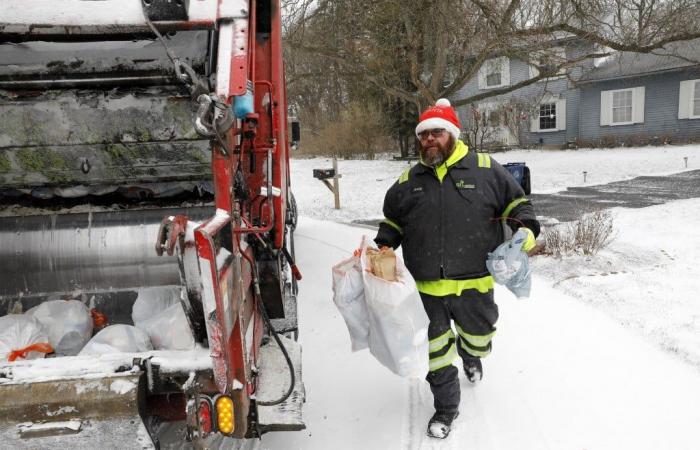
588	235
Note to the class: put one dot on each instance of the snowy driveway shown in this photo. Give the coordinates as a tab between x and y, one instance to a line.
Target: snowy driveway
562	376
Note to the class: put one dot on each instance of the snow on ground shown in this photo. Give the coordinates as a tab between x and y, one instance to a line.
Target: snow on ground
604	355
646	278
364	183
563	375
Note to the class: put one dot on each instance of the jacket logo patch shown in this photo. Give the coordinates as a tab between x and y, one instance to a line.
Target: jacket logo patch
418	189
465	184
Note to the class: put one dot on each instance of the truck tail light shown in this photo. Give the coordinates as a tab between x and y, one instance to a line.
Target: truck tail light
204	413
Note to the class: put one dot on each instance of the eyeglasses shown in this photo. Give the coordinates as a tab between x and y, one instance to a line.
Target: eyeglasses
435	132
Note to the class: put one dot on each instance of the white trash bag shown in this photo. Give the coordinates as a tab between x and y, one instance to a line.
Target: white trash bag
118	339
68	323
398	335
158	312
22	337
349	298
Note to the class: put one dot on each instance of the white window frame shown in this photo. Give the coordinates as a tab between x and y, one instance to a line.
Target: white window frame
606	106
539	117
505	73
560	116
693	98
612	107
560	53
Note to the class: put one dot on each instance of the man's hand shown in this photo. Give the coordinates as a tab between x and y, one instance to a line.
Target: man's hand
538	249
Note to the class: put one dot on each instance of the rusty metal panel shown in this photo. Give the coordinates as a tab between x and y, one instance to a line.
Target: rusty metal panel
74	413
68	138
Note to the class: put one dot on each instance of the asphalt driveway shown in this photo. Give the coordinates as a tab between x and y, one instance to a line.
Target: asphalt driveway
638	192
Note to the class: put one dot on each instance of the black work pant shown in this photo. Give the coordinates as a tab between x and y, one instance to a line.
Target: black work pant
474	315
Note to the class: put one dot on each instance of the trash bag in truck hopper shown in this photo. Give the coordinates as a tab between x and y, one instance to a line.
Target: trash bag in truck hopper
118	339
22	337
68	323
158	312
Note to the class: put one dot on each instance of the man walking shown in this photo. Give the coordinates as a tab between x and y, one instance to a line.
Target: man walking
447	213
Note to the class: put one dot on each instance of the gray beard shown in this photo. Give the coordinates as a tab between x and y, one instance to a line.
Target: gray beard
435	161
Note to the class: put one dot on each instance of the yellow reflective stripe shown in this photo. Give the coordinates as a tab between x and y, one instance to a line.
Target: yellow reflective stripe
473	352
404	176
484	160
440	342
392	224
512	206
443	288
477	341
444	360
530	242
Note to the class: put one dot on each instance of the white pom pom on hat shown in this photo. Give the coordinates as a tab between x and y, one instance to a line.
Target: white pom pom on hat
442	115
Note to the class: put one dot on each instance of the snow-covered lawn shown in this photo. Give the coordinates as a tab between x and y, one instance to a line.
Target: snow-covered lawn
604	355
364	183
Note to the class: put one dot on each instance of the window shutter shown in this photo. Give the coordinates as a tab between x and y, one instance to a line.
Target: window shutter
685	99
533	71
638	104
535	120
482	75
605	108
505	71
561	114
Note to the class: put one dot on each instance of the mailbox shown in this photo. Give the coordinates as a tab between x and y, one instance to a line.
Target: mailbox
323	174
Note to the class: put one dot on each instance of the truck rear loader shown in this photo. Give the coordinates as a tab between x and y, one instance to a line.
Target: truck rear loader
144	144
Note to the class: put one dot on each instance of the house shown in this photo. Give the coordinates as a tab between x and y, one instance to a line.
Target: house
624	99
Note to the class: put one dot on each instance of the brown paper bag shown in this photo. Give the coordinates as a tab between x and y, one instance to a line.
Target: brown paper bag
383	263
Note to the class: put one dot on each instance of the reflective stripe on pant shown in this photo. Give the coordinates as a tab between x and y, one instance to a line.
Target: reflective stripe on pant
474	314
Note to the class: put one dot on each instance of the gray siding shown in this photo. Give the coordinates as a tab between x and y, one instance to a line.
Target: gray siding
583	104
519	71
660	108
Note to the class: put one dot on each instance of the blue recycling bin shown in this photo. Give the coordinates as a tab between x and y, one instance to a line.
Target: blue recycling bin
521	173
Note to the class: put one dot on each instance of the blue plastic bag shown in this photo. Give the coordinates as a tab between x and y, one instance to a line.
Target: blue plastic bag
509	266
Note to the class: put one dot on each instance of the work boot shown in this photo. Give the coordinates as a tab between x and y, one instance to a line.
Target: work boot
441	423
473	370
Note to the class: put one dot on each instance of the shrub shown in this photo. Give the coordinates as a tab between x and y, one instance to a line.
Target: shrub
588	235
360	133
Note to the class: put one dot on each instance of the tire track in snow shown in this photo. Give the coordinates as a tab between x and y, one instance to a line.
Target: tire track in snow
410	433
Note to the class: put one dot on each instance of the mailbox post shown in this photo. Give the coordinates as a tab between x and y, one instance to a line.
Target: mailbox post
330	174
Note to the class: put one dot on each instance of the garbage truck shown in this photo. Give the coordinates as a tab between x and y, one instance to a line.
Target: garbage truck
144	148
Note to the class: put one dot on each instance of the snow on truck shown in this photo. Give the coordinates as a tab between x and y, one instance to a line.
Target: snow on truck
144	152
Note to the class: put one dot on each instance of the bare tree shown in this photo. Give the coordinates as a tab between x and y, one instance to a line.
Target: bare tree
438	46
416	53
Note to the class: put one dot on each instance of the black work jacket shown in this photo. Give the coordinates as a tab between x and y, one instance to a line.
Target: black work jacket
448	228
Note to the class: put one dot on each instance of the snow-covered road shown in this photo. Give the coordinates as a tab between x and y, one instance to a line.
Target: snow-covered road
562	376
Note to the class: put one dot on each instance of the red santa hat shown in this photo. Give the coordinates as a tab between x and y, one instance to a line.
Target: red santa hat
442	115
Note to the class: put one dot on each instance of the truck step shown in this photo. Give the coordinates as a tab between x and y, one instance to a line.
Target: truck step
274	383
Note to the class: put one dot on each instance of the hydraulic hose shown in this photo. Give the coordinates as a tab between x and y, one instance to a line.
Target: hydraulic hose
277	339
